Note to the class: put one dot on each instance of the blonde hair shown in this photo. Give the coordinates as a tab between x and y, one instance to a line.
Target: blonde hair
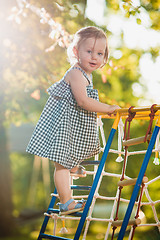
81	36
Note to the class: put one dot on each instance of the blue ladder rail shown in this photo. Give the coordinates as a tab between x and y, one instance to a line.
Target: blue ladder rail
94	185
46	219
138	183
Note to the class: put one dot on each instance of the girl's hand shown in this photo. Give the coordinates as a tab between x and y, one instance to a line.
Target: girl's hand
112	110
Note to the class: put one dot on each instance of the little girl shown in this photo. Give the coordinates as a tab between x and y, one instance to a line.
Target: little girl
67	129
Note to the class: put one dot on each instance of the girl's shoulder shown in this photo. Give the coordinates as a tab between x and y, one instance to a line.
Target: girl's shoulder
64	84
77	72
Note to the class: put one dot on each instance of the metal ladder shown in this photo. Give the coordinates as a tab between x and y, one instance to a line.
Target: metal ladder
43	235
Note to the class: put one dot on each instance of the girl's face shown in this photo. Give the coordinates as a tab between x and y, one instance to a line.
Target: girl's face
91	53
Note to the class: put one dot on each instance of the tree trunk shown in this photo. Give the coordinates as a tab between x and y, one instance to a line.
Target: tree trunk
6	207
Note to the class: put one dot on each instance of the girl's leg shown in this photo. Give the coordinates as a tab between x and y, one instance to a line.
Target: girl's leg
62	183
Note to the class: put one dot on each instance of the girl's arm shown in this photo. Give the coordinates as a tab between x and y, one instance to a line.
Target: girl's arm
78	87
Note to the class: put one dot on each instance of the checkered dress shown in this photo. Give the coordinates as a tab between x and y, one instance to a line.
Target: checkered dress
66	133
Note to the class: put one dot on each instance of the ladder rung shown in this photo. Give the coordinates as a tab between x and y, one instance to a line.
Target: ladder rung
131	181
47	236
52	210
135	141
131	222
90	162
73	187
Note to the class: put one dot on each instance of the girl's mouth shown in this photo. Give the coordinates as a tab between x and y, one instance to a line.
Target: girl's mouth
92	64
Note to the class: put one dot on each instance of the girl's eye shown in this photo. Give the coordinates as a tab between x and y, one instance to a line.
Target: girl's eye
89	51
100	54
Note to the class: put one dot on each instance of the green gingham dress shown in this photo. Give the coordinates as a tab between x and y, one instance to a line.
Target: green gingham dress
65	132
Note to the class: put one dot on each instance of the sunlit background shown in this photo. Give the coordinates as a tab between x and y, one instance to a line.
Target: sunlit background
135	36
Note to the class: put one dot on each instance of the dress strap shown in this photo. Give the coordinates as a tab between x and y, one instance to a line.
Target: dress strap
84	73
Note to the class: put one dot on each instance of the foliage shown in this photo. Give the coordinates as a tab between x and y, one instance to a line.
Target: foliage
132	8
39	32
34	53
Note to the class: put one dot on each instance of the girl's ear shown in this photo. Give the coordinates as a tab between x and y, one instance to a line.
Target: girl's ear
75	51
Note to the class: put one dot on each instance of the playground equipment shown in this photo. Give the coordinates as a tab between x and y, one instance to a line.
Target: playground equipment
141	183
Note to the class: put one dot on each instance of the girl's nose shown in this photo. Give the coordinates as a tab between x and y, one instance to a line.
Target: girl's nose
93	55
